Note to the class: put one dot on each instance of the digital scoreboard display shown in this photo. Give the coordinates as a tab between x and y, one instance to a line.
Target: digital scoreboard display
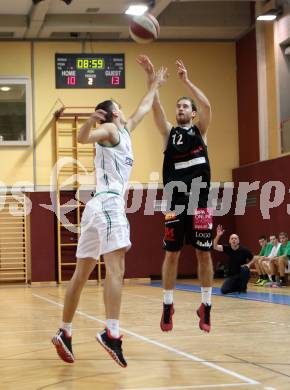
89	70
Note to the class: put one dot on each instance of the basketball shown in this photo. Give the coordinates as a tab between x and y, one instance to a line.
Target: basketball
144	28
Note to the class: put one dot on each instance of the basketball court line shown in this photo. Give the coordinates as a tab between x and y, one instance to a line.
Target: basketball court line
194	358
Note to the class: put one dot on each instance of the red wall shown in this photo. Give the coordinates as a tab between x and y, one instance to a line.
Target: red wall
43	239
252	225
143	260
247	91
146	256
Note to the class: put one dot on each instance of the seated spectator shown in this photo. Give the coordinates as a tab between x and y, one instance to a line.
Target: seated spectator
265	251
280	262
264	261
240	260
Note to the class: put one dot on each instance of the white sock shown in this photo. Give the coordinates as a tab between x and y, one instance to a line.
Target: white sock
167	297
206	295
113	326
67	326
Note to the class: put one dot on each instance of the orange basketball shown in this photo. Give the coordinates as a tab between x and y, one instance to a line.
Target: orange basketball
144	28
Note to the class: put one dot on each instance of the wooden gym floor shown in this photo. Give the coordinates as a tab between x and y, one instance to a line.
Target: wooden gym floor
248	347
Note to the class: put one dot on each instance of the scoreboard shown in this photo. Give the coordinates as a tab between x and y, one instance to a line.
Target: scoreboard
89	70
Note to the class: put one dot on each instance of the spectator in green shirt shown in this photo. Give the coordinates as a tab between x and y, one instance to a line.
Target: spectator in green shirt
264	252
266	260
264	244
281	261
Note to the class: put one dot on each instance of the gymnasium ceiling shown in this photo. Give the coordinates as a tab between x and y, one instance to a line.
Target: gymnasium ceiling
105	19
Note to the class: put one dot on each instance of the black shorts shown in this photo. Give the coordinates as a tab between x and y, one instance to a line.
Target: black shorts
193	228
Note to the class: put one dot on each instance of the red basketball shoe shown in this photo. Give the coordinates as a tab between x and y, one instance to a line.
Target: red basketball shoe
204	317
166	323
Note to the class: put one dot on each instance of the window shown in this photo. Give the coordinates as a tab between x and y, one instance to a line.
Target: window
15	111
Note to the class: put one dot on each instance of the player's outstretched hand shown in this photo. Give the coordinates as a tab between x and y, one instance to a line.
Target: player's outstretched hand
161	76
219	230
147	65
181	70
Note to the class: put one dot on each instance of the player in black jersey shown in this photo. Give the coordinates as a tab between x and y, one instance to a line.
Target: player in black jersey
186	179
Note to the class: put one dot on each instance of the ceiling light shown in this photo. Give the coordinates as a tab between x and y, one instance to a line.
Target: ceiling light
5	89
136	9
267	17
270	14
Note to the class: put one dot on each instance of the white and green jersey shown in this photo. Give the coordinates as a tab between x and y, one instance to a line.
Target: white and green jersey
114	164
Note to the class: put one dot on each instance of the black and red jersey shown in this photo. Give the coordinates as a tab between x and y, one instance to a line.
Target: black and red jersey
186	157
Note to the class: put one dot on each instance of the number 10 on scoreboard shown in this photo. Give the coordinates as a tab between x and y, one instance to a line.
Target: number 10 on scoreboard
71	80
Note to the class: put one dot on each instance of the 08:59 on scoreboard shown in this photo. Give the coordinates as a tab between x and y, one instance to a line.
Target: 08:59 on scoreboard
89	70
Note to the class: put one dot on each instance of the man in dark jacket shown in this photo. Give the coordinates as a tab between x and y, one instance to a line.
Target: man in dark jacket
240	260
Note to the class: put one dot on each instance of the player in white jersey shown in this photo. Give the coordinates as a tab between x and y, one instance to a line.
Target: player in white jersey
104	226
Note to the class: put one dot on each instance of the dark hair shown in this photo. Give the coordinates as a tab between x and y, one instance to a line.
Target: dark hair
193	106
283	234
108	106
263	238
273	235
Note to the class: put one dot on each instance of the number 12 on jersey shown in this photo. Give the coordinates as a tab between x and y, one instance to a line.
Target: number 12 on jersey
177	141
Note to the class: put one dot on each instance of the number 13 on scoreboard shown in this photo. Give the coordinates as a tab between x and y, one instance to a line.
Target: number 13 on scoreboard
115	80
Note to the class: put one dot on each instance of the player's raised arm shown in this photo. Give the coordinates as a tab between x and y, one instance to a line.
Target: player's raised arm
219	233
146	103
106	132
159	114
201	101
